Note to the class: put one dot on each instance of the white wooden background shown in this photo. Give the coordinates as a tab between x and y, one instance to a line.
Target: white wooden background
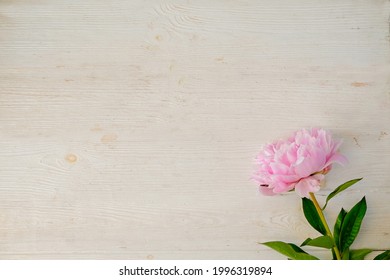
128	128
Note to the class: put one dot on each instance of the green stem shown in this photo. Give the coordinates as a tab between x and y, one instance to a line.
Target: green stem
323	220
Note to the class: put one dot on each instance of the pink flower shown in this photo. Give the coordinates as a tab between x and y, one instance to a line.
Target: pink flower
299	163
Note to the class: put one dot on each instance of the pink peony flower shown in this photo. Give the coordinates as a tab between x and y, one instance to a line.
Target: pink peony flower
299	163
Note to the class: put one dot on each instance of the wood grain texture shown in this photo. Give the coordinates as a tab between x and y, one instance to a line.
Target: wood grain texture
128	128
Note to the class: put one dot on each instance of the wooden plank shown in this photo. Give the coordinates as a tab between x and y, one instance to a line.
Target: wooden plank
129	128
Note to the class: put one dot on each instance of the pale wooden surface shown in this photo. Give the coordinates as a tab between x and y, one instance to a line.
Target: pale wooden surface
128	128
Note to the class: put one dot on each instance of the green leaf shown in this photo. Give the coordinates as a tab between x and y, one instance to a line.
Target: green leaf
337	227
334	254
289	250
339	189
307	240
296	248
322	241
311	214
383	256
359	254
345	255
351	224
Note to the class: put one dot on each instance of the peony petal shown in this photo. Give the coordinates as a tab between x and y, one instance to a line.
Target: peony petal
319	177
305	168
336	158
287	164
312	163
281	187
288	178
266	190
306	186
279	168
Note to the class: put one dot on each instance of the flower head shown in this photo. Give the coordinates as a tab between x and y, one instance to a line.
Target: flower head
299	163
